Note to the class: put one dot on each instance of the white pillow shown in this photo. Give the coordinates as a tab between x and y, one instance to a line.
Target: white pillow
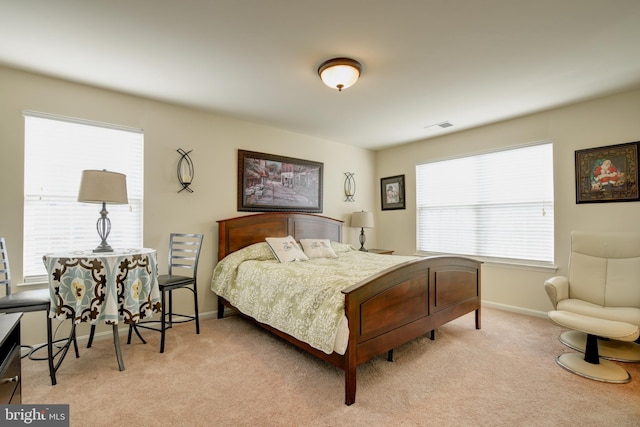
318	248
286	249
342	247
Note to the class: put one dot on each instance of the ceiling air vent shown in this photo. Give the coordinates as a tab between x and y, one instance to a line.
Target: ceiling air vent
441	125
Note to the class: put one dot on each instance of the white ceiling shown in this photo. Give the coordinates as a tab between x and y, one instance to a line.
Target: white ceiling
470	62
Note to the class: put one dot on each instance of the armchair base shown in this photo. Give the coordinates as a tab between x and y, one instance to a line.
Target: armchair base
605	370
590	365
620	351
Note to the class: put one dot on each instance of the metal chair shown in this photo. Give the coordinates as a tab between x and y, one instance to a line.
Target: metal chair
31	301
184	253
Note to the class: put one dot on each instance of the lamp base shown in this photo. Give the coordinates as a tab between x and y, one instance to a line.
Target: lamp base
104	228
103	248
363	238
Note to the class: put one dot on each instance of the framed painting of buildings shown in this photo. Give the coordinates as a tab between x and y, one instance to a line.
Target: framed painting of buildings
273	183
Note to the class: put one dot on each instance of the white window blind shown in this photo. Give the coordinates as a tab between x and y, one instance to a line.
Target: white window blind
57	150
493	205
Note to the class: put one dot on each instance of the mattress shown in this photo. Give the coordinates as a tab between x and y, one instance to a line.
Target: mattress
301	298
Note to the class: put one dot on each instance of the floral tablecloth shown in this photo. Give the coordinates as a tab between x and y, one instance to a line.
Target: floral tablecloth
109	287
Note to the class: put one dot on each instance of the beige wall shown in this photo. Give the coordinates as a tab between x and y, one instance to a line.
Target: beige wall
605	121
214	140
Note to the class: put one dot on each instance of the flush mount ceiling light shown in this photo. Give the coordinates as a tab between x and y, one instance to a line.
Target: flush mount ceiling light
340	73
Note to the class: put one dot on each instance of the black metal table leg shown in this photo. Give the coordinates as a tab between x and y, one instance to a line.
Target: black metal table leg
116	342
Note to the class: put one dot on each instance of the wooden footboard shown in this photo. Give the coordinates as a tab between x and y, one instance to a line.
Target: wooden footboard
406	302
384	311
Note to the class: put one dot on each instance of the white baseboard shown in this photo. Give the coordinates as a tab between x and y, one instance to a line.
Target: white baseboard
124	329
513	308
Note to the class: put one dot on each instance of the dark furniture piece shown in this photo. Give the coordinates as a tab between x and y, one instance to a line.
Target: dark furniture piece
10	366
184	253
29	301
382	251
385	311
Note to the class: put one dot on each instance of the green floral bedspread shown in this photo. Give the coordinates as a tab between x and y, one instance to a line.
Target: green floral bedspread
301	298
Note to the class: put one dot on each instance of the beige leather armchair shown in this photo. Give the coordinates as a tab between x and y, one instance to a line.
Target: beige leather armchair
600	302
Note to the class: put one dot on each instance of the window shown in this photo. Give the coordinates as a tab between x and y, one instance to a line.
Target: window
57	150
495	205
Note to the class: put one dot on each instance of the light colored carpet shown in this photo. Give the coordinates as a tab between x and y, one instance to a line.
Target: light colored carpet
235	374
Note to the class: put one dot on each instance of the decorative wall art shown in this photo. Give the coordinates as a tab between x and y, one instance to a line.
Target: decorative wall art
349	187
272	183
607	174
392	192
185	170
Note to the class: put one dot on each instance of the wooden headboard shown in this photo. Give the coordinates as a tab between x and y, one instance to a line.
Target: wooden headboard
236	233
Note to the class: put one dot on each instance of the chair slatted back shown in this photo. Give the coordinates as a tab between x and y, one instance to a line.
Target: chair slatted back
5	272
184	252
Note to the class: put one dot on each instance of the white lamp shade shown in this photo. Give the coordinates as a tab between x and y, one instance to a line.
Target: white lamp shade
362	219
103	186
340	73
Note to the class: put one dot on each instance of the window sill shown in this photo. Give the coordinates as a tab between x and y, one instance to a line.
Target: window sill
38	283
523	266
505	263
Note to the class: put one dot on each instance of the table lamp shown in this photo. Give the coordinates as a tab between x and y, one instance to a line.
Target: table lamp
103	187
363	220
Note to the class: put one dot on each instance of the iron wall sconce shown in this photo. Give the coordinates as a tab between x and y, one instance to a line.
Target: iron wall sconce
349	187
185	170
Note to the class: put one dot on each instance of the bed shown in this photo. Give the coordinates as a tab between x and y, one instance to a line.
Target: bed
383	310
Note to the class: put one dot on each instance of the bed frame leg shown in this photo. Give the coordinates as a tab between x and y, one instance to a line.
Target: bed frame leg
350	376
350	388
220	308
432	335
390	356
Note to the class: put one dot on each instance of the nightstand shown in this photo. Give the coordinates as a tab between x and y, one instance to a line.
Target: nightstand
10	373
381	251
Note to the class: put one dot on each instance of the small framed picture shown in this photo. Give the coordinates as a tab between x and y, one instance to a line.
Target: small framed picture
392	192
607	174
